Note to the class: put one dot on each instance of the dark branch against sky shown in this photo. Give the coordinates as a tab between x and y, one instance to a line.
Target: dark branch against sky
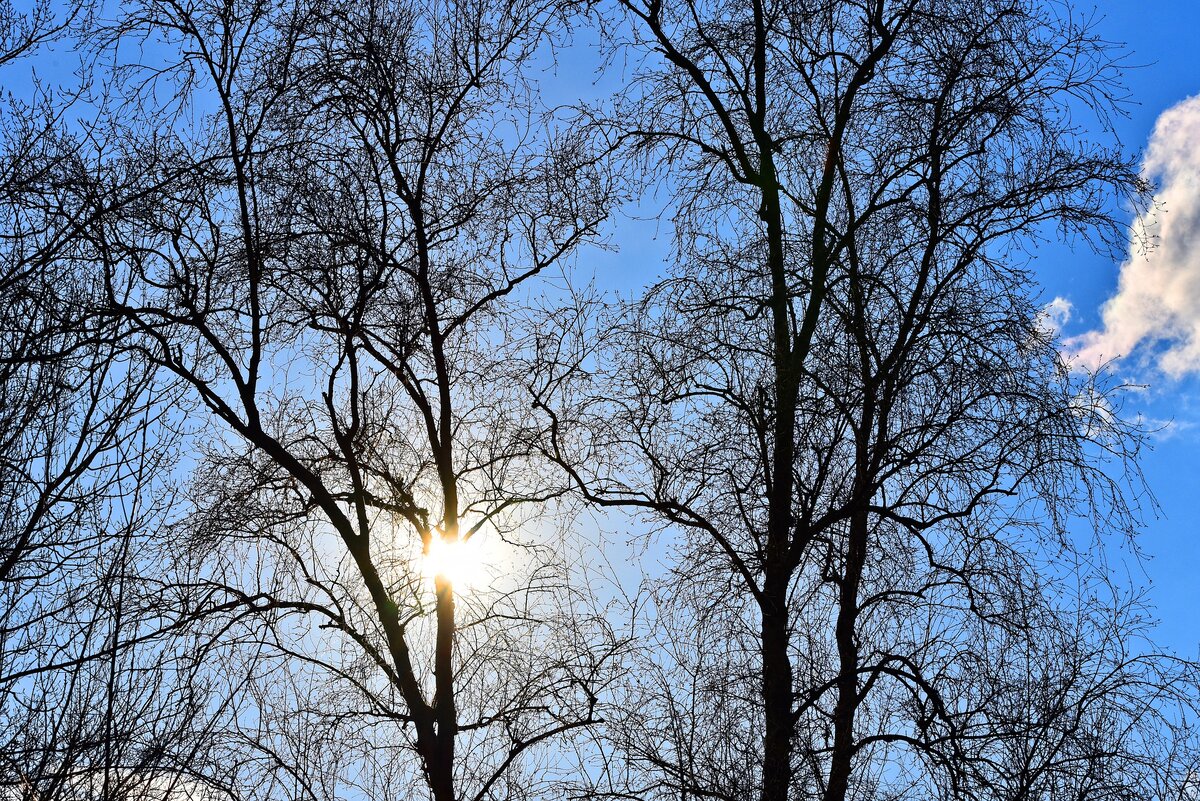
506	399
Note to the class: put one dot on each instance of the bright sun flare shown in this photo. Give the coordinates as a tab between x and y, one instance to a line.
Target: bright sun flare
459	562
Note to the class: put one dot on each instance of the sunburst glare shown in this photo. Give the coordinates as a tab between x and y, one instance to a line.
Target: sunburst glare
461	562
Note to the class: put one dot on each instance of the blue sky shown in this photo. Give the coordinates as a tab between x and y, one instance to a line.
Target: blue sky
1164	38
1164	70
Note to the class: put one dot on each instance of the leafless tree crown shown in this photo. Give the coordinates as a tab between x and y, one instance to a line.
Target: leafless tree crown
297	323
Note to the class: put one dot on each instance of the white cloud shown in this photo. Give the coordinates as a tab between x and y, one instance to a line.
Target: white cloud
1157	302
1055	315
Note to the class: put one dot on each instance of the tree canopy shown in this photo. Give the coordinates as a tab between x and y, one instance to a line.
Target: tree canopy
312	399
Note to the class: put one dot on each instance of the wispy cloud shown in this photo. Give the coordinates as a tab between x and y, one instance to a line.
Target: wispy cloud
1055	315
1156	309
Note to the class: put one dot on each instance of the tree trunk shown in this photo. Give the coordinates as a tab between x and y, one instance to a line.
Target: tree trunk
777	694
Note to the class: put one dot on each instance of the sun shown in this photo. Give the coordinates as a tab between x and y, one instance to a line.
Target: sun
458	561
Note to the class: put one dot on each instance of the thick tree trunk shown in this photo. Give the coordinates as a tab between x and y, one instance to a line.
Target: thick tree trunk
845	633
777	696
441	770
445	712
778	734
847	689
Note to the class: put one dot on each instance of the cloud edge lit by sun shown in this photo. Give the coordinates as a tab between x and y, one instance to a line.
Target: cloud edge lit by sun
1155	312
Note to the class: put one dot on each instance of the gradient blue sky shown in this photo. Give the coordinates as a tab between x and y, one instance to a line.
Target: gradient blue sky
1164	38
1163	70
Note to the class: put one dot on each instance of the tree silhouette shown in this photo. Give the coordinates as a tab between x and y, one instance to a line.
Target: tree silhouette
323	214
845	398
290	339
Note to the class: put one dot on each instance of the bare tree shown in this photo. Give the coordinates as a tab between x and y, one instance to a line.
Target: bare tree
23	32
90	704
324	219
270	324
844	399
